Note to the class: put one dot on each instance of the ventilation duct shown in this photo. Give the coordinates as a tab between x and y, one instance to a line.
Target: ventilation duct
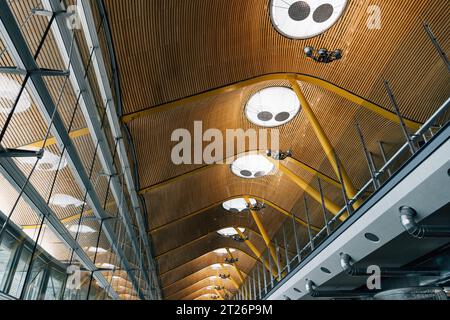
407	216
424	293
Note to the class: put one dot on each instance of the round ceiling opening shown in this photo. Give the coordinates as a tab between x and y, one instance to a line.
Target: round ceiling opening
224	251
305	19
272	107
229	232
237	205
252	166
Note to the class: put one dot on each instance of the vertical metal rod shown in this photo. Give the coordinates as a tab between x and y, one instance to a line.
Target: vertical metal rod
265	278
254	285
286	249
270	265
344	192
277	251
370	163
399	115
383	155
324	208
436	44
259	282
311	240
297	245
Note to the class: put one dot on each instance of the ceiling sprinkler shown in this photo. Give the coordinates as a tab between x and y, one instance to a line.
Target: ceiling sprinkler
323	55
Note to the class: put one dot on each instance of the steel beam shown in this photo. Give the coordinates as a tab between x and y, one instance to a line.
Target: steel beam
19	50
87	102
91	36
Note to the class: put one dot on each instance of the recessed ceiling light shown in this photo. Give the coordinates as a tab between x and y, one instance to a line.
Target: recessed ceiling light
272	107
252	166
229	232
224	251
237	205
305	19
98	250
106	266
82	229
9	90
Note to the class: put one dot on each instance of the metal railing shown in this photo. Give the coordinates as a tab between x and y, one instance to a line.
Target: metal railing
257	286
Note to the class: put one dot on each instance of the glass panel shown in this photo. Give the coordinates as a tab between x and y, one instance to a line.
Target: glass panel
20	273
37	275
54	286
7	249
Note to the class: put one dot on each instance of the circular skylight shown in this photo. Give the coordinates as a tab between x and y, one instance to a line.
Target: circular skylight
64	201
272	107
252	166
237	205
224	251
305	19
9	90
98	250
228	232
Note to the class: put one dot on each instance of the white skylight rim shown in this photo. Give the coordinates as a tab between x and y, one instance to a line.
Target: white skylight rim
222	251
272	107
252	166
305	19
9	90
237	205
229	232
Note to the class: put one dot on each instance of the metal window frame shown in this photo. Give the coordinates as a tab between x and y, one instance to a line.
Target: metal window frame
19	50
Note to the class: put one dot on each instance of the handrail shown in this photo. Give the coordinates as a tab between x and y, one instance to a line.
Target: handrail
383	170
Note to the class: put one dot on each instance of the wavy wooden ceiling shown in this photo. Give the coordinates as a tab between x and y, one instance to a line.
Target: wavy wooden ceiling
170	49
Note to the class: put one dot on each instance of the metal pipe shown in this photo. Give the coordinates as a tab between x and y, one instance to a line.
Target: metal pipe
407	217
313	292
369	160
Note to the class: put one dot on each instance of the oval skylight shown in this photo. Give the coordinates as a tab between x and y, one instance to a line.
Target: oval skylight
49	162
252	166
98	250
272	107
9	90
237	205
82	229
228	232
305	19
64	201
224	251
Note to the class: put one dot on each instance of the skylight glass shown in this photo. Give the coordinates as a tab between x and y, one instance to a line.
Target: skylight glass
81	229
272	107
237	205
252	166
224	251
228	232
305	19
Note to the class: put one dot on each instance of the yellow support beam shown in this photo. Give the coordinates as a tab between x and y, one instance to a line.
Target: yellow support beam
219	294
305	186
257	253
236	267
346	94
263	233
52	141
315	172
323	139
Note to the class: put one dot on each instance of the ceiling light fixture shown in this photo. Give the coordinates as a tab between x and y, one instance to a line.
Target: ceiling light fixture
237	205
323	55
95	249
305	19
252	166
272	107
